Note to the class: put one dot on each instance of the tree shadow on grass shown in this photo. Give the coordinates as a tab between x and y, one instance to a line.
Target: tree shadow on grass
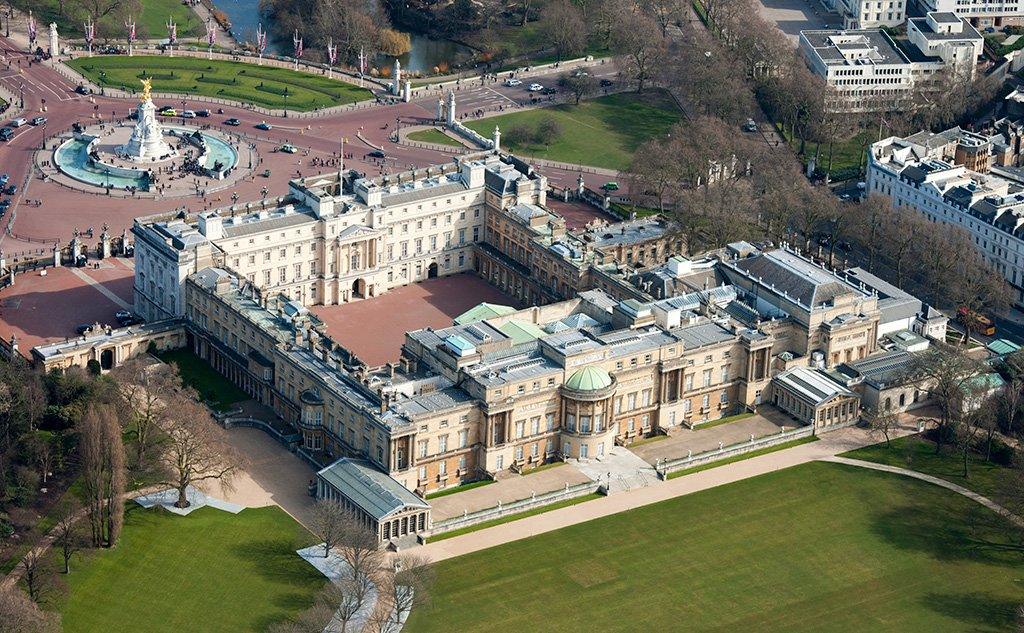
946	532
979	611
275	560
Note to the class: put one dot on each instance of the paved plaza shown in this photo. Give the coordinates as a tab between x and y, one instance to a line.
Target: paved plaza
44	308
506	490
768	421
793	16
374	329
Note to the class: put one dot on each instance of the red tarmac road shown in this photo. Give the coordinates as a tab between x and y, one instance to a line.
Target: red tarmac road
64	209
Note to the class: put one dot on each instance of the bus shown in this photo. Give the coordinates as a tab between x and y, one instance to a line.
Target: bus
976	321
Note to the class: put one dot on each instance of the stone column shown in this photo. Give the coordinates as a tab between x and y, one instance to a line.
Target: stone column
396	87
105	245
440	109
56	254
497	139
54	40
407	91
450	114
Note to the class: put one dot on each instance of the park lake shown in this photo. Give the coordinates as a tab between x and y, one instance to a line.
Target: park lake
426	53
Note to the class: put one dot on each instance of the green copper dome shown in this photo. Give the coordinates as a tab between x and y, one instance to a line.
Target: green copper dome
589	379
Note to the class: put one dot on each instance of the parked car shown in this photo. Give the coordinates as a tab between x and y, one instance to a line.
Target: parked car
233	122
750	126
188	114
580	73
512	82
11	189
606	82
611	185
203	113
548	91
535	87
20	121
83	328
4	204
288	148
3	179
263	125
6	133
81	89
39	120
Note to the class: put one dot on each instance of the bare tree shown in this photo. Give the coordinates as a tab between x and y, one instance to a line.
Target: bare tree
637	38
665	12
67	535
882	422
359	547
335	608
1010	400
37	573
949	372
562	25
103	473
580	85
19	614
409	587
328	522
148	392
195	450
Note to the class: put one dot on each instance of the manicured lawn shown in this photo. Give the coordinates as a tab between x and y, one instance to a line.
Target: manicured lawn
151	24
461	488
918	454
266	86
215	390
603	132
818	547
739	458
209	571
515	517
434	136
847	154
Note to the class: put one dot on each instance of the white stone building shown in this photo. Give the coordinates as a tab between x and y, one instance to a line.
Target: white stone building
980	13
871	14
869	71
922	175
323	246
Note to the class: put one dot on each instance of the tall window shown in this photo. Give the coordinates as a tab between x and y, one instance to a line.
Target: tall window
463	438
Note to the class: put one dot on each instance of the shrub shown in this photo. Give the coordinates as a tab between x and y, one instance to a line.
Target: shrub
548	130
519	134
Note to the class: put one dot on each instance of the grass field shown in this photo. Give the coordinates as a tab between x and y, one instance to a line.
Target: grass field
817	547
152	23
434	136
266	86
215	390
603	132
918	454
209	571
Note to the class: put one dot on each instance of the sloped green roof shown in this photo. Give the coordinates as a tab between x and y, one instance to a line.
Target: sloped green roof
521	331
1003	347
589	379
482	312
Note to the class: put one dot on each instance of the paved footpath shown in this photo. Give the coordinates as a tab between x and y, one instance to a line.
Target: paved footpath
830	445
970	494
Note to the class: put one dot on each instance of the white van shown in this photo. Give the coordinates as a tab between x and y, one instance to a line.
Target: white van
19	122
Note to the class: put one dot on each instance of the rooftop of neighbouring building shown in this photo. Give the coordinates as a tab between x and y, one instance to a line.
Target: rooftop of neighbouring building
854	47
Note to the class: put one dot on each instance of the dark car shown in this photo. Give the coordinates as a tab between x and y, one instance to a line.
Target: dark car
377	154
83	328
606	82
263	125
11	190
233	121
4	204
3	179
39	120
548	91
6	133
82	90
203	113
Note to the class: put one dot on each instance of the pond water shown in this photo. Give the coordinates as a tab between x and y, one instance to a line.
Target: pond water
425	54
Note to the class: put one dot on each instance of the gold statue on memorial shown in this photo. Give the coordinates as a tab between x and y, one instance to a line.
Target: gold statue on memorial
147	85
